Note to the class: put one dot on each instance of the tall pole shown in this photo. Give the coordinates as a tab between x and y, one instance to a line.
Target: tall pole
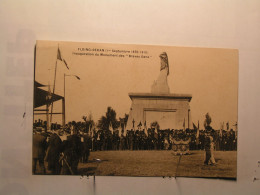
236	130
188	118
53	89
47	107
47	116
64	99
63	106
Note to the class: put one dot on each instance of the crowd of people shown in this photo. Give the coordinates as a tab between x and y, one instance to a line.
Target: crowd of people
64	148
62	153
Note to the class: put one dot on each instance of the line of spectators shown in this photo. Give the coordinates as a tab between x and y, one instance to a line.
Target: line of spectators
151	140
64	148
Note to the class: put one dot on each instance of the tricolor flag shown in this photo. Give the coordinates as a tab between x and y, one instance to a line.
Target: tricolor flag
89	130
156	129
93	132
198	130
124	130
61	59
145	129
120	130
133	124
140	126
227	126
235	129
111	128
198	133
221	129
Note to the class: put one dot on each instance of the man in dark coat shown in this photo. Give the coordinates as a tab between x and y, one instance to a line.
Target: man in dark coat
53	154
39	147
72	153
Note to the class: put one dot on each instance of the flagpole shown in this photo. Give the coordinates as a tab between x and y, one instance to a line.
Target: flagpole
64	106
54	87
188	118
47	116
47	107
124	129
198	135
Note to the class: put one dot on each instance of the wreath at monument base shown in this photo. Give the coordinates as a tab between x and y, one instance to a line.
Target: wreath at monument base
181	147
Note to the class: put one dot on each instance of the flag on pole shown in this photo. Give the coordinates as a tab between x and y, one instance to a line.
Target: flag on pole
120	130
156	128
92	132
221	129
59	54
89	130
65	63
235	129
194	126
124	130
140	126
61	59
235	126
98	137
198	130
133	124
227	126
145	129
111	128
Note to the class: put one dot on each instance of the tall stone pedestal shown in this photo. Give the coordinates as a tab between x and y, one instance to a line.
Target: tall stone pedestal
169	110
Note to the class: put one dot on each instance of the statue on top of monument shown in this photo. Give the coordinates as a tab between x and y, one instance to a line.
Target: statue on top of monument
160	86
164	62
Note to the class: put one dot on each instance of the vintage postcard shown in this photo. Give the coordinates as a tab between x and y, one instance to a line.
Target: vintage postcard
135	110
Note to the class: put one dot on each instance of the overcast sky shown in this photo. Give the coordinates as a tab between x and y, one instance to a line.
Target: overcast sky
209	75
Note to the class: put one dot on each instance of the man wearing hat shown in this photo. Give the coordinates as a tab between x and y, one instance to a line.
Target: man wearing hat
53	153
72	153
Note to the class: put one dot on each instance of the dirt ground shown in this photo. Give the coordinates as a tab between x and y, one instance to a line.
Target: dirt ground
159	163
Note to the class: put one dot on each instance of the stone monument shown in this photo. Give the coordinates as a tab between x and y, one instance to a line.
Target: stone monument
171	111
160	86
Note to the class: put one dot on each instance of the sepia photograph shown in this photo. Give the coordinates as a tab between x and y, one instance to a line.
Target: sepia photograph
107	109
